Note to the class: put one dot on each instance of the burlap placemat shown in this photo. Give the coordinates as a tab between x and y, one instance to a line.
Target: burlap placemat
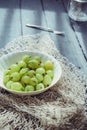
60	108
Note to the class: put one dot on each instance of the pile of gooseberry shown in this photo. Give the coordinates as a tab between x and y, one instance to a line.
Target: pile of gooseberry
31	73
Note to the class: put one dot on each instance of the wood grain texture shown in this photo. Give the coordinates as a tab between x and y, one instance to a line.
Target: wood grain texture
68	45
15	14
80	30
32	13
9	21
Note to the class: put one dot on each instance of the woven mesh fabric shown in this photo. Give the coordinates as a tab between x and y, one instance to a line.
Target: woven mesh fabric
60	108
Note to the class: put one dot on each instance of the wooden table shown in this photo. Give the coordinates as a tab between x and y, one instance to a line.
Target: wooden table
15	14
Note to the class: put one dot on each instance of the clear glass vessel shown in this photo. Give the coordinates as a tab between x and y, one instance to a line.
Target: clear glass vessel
77	10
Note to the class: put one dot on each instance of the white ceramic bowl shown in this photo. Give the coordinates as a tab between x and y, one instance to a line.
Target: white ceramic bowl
11	58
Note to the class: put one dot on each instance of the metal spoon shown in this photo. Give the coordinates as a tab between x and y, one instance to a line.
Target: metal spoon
45	29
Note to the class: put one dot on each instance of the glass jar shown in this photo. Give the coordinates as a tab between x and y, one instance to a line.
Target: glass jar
77	10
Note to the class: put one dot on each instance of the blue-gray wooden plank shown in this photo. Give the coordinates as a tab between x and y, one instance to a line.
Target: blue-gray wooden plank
32	13
10	26
80	29
57	18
